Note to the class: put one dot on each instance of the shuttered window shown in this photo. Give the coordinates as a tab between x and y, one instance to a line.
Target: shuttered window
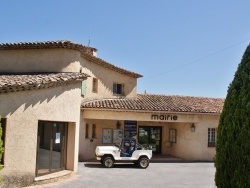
118	89
93	131
211	137
84	87
87	131
95	85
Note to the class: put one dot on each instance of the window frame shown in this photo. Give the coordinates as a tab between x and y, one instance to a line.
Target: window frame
115	88
86	131
93	130
211	137
95	85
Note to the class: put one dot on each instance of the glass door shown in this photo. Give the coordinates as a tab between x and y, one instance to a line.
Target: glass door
51	147
150	136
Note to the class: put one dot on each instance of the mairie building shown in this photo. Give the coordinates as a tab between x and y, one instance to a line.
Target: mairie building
58	101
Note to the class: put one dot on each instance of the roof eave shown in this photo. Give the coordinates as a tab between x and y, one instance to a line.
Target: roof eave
151	111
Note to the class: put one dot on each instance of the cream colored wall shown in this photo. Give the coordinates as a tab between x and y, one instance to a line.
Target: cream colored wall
67	60
137	116
23	110
189	146
194	145
40	60
88	145
106	78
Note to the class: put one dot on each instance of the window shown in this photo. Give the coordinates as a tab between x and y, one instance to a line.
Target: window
118	89
84	86
93	131
211	137
95	85
87	131
3	125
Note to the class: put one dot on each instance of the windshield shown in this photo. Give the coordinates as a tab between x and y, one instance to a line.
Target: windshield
118	143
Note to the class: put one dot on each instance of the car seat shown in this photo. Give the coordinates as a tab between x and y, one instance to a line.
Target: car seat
130	150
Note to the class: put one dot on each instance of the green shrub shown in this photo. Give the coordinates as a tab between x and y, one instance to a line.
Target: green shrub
232	159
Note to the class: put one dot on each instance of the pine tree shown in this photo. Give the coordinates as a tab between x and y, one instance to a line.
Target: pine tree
232	159
1	143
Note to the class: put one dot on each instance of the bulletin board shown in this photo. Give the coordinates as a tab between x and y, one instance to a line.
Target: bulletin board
106	136
117	135
172	135
130	131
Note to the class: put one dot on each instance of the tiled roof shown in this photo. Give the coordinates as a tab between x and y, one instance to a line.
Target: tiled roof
161	103
86	52
47	45
22	82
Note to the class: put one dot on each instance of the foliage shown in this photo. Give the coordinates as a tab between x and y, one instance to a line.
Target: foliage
232	159
1	142
1	147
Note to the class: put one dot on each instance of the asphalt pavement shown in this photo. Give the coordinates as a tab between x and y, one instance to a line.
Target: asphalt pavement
167	175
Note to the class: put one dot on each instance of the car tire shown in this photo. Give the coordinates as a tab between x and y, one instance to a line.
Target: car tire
108	162
143	162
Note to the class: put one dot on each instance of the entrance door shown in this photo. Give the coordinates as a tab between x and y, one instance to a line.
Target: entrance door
51	147
150	136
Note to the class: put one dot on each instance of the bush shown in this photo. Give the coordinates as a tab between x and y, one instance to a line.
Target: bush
232	159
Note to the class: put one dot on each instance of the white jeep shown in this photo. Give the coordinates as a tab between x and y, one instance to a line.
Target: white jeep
108	155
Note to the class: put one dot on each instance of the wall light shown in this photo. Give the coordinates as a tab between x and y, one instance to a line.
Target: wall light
118	125
192	127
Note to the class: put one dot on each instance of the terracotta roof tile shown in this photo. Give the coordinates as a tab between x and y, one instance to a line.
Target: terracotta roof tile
86	52
47	45
166	103
22	82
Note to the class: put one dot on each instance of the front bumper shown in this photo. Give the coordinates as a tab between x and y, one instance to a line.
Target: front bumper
98	157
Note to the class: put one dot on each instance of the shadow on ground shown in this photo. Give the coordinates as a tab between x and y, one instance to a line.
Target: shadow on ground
117	165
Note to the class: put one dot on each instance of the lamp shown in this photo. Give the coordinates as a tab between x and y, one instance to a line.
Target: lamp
192	127
118	125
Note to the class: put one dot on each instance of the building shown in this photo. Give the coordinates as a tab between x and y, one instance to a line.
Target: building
58	101
180	126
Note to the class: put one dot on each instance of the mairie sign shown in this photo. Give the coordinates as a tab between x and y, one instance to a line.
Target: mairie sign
164	117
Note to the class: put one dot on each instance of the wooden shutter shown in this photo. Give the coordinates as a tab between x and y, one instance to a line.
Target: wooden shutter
84	87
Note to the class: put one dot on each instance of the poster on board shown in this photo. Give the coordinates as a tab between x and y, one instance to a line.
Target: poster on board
117	135
130	132
107	136
57	140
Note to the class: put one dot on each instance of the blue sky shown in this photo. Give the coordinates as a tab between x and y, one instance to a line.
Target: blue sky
180	47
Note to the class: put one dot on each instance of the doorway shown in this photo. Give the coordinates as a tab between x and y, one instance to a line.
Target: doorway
51	147
150	136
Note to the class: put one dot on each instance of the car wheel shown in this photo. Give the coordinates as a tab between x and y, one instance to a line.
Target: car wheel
143	162
108	162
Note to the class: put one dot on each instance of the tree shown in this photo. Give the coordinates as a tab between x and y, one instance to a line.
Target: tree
1	143
232	160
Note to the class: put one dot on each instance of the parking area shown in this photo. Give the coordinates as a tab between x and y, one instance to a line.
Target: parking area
179	174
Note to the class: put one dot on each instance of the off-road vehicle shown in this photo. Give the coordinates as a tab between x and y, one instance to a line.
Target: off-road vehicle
108	155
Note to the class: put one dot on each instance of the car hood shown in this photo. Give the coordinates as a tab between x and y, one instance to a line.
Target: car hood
104	148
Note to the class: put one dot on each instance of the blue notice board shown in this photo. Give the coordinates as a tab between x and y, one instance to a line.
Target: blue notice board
130	132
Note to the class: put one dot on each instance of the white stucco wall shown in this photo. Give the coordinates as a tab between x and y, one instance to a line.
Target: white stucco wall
23	110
